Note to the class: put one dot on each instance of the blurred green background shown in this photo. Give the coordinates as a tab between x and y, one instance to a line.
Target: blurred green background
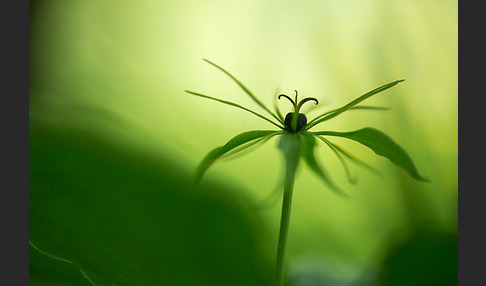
114	141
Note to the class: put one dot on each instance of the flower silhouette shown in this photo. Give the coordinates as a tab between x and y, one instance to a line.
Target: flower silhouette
298	141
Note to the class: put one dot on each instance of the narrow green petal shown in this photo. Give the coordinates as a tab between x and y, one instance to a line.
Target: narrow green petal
308	154
234	105
341	159
245	147
248	91
352	158
359	107
235	142
340	110
382	145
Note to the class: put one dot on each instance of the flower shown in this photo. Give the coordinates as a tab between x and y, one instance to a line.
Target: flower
298	141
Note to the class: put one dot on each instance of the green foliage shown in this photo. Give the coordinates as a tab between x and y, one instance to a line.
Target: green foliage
118	68
234	105
117	216
340	151
235	142
328	115
308	154
382	145
46	270
297	142
426	257
247	91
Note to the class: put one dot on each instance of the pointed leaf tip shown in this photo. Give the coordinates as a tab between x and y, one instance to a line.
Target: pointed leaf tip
382	145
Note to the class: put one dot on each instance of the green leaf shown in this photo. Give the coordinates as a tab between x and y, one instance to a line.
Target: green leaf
235	142
426	256
248	91
334	113
44	269
382	145
341	159
234	105
359	107
307	152
122	215
248	147
352	157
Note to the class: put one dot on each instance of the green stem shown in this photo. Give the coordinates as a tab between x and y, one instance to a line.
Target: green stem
284	224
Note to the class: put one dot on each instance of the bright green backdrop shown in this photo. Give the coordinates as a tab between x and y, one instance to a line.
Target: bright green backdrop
116	71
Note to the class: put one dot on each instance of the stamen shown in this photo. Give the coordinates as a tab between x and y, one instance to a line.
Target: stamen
293	103
305	100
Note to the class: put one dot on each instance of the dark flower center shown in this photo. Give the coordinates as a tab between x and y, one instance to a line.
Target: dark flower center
301	120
